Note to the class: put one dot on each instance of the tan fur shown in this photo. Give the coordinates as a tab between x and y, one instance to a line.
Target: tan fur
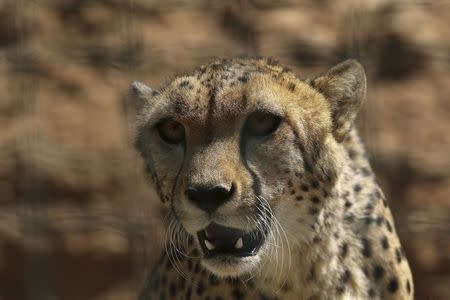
332	235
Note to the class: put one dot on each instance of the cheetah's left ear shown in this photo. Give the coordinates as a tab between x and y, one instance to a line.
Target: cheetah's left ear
142	93
344	87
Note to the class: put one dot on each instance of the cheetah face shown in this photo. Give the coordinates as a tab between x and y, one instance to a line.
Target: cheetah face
224	146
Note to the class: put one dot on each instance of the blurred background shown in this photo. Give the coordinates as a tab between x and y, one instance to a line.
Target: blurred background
77	218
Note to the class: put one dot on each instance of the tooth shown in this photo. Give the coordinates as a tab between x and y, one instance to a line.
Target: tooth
239	244
209	245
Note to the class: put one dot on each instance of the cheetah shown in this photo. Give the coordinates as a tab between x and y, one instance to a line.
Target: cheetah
269	190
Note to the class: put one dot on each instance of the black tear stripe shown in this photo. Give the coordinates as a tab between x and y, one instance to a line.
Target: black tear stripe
172	196
149	161
262	207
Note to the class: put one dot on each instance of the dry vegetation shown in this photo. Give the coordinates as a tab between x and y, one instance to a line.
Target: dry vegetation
78	221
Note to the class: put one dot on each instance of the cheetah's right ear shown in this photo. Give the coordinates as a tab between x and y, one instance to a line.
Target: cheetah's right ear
344	87
142	94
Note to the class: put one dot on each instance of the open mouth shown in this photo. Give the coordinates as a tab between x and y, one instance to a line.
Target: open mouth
220	240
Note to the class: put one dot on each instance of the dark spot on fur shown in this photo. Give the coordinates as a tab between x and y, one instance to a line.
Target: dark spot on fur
349	218
340	290
344	250
368	220
384	243
377	194
232	281
398	255
238	294
311	274
181	107
200	288
365	271
378	272
291	87
182	282
313	211
243	79
365	171
304	187
216	66
345	278
285	70
299	198
392	286
213	280
251	284
357	188
197	268
184	83
348	204
315	184
188	292
367	248
371	292
352	154
389	226
172	289
379	220
315	200
408	286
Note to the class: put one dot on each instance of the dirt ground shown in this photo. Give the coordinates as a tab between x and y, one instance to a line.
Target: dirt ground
77	218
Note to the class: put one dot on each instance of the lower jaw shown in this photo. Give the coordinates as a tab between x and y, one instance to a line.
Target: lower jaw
231	266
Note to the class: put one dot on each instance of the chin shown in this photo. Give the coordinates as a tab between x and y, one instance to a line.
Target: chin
231	266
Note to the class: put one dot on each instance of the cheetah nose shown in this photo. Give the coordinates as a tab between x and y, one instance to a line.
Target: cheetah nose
209	199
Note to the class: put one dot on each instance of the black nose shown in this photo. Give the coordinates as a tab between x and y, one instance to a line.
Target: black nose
209	199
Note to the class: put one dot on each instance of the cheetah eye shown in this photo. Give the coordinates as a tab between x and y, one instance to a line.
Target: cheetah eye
262	123
170	131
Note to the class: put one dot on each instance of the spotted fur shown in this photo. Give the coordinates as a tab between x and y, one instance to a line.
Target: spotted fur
332	235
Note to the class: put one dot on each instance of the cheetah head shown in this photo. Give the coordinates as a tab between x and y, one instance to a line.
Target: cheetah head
233	147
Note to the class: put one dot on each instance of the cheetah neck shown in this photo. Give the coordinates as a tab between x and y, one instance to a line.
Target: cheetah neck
317	260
